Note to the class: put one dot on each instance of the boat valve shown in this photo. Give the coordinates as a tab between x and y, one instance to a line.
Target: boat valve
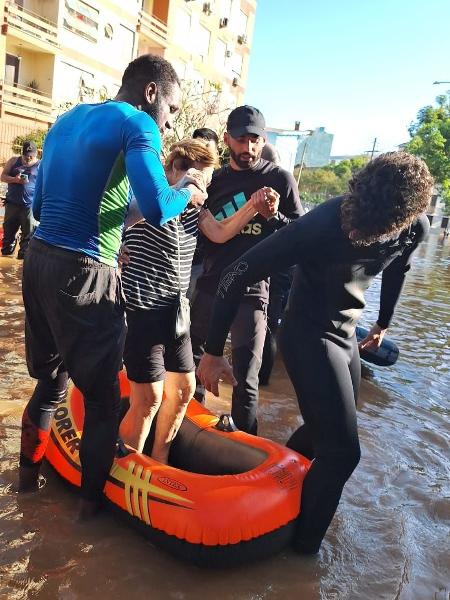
226	423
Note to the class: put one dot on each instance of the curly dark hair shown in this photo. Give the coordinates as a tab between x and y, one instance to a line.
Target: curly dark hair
147	68
385	197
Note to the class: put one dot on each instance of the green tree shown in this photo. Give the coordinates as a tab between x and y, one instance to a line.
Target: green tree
36	135
199	109
430	139
317	185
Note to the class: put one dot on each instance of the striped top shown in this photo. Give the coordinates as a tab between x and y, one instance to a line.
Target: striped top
152	278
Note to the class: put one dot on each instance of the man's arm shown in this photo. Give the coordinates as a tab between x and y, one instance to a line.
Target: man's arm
157	201
392	281
278	251
6	177
263	201
303	239
290	205
37	196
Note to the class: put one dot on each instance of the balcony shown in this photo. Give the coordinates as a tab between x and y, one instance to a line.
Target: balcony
152	28
31	28
23	101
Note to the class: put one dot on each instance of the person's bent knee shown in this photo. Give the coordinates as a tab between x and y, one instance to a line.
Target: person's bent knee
146	397
183	384
344	460
187	386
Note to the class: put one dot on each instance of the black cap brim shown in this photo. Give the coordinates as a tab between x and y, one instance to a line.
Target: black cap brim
249	130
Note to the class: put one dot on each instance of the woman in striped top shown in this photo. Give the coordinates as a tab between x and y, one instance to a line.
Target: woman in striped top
159	266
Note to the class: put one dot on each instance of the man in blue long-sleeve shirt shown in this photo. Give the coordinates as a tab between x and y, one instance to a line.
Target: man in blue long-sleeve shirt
75	324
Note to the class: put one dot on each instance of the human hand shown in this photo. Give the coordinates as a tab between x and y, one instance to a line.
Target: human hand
192	176
373	339
19	179
198	197
124	256
194	181
266	201
213	369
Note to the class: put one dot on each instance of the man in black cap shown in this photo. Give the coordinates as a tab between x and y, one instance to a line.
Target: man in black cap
231	187
20	174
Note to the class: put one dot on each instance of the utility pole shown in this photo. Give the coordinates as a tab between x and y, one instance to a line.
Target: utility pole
373	148
372	152
302	162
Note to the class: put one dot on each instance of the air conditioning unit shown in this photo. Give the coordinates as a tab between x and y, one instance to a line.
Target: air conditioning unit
235	81
207	8
228	53
223	22
242	39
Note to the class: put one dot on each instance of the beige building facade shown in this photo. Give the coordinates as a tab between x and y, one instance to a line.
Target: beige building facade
56	53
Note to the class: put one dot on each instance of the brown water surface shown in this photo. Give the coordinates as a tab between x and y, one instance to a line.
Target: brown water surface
390	536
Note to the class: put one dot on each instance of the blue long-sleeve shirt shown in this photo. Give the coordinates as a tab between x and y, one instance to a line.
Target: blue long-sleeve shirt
95	156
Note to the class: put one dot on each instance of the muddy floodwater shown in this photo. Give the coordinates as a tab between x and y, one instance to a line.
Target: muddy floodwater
390	536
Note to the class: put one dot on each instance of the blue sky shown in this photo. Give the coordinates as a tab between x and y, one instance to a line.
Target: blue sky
360	68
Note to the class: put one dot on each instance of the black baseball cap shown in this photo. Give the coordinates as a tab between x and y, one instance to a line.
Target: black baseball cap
245	120
29	147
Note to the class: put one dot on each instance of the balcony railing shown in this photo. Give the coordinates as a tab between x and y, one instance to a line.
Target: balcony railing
23	101
31	24
153	28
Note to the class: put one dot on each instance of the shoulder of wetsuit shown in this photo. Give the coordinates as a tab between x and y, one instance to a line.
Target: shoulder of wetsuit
421	226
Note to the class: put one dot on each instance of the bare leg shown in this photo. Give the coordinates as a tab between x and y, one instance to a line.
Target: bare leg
145	400
179	388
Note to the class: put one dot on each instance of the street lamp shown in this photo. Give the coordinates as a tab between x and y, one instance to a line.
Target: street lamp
439	82
309	133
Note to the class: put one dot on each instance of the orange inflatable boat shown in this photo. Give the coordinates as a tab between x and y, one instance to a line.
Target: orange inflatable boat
227	497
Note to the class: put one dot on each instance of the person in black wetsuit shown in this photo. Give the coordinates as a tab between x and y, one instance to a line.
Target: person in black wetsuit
339	247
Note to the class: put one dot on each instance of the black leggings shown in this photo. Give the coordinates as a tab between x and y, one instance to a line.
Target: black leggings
98	441
325	372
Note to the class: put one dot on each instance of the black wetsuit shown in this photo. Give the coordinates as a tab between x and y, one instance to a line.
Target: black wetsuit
318	339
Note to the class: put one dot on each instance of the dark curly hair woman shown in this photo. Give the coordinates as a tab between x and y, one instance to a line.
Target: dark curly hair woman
338	248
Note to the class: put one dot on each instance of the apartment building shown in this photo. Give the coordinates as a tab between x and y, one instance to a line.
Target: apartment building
55	53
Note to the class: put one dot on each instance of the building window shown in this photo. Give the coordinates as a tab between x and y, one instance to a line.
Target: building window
75	83
183	29
109	31
219	55
81	19
225	9
203	36
242	20
236	64
127	42
180	67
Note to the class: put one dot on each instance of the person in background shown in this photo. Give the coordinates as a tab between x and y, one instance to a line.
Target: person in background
280	284
208	136
270	153
157	268
20	174
338	247
75	322
231	187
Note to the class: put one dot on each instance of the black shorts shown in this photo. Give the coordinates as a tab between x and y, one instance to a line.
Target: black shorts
150	350
75	316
